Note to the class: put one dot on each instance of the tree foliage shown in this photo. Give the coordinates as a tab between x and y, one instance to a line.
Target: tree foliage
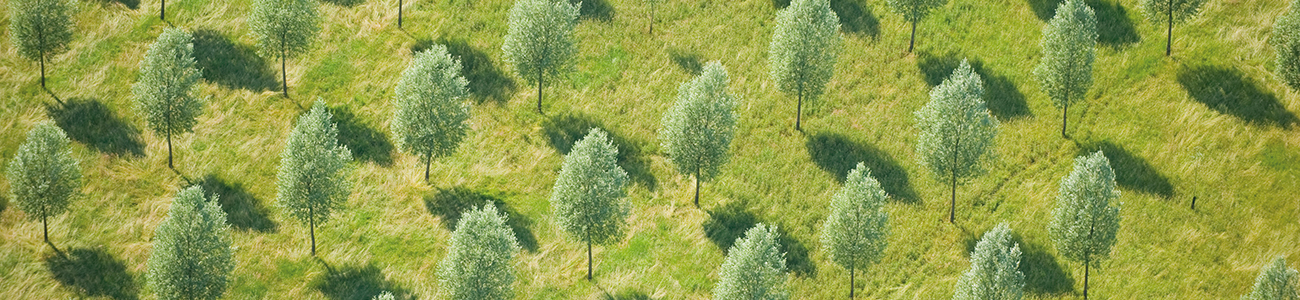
1069	49
192	257
430	119
754	269
913	11
1169	13
957	131
1084	222
1275	282
994	269
698	129
163	93
43	175
284	29
477	265
856	231
588	195
804	48
41	28
1286	42
540	42
313	170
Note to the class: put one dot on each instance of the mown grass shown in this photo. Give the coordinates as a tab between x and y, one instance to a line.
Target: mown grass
1210	122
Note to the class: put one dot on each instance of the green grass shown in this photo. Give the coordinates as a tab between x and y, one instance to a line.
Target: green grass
1211	122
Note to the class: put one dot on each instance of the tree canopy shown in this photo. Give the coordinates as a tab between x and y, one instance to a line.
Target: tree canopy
1069	49
1084	222
43	175
994	269
477	265
313	170
163	94
41	28
856	231
957	131
540	42
1286	42
754	269
431	117
698	129
588	195
1276	281
805	45
192	257
284	29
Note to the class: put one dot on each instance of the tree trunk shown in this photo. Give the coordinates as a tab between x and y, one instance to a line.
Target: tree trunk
284	76
912	43
851	286
46	225
697	188
652	17
162	12
952	208
169	146
798	114
399	14
1169	35
539	92
588	257
311	221
43	71
428	159
1193	202
1065	117
1086	264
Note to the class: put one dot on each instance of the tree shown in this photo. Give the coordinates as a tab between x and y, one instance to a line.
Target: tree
1275	282
313	170
588	195
43	175
698	129
384	296
430	119
1084	222
855	232
1286	42
477	265
804	47
913	12
754	269
167	77
192	257
652	4
1069	49
540	40
957	131
41	28
284	29
994	269
1170	12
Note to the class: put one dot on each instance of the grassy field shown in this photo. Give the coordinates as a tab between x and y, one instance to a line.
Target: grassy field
1210	123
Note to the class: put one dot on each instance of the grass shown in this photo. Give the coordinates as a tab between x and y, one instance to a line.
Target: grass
1210	122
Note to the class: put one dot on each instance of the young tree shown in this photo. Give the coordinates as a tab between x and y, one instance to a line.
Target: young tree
477	265
1286	42
1170	12
41	28
1084	222
994	269
314	170
1275	282
856	231
913	12
754	269
43	175
430	119
191	257
957	131
384	296
588	195
540	40
697	131
804	47
284	29
167	77
652	4
1069	48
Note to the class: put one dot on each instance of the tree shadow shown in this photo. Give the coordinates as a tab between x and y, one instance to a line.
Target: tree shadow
781	4
1001	96
689	61
131	4
1131	171
1045	10
1229	91
729	222
1114	28
243	211
856	19
94	273
1044	275
486	81
598	10
449	204
628	295
564	130
365	142
231	65
89	121
837	154
357	283
345	3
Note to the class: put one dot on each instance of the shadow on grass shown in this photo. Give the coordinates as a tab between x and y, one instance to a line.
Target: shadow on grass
1229	91
131	4
856	19
1044	275
365	142
449	204
357	283
243	211
90	122
486	81
781	4
687	60
729	222
837	154
564	130
231	65
628	295
1003	99
345	3
598	10
1132	172
1114	28
94	273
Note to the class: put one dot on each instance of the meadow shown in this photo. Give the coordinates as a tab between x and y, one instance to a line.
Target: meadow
1210	122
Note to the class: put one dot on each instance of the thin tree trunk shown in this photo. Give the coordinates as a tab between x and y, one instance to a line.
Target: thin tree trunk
652	17
162	13
952	208
399	14
169	147
912	43
1169	35
798	114
284	76
1065	119
46	225
539	92
43	72
428	159
1086	264
697	188
311	221
851	286
588	256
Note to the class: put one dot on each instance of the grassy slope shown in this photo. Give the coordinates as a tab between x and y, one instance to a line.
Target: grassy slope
1167	143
